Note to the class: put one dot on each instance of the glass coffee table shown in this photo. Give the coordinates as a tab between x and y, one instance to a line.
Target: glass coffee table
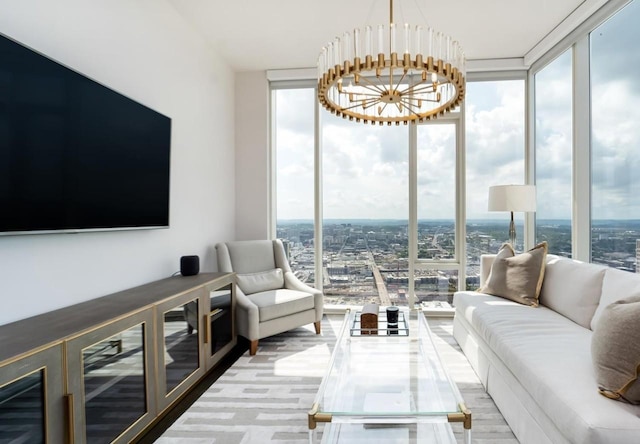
389	386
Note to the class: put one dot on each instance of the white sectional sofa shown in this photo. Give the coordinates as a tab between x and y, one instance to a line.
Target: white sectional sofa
535	362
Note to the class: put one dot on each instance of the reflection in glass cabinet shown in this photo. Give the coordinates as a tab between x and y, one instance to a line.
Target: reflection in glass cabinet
220	318
114	384
22	407
181	348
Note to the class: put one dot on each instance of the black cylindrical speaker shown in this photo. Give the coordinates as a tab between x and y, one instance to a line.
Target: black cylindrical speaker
189	265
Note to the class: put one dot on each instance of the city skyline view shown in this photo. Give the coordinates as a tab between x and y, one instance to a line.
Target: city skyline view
367	261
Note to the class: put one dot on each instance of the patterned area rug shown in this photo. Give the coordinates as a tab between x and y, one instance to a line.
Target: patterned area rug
265	398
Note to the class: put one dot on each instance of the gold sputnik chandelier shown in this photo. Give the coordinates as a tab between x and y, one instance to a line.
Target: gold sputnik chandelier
415	74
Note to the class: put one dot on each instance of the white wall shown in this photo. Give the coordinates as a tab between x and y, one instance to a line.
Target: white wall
252	155
144	50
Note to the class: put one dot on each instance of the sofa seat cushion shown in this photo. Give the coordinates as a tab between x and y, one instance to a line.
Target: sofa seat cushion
275	304
550	356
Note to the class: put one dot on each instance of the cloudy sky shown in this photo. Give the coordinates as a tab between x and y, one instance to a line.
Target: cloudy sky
365	168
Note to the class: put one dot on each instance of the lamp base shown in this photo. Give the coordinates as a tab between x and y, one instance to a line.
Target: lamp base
512	233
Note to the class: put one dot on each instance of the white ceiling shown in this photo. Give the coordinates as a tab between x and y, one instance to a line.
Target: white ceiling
276	34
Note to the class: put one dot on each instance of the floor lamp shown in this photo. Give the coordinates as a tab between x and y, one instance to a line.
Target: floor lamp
512	198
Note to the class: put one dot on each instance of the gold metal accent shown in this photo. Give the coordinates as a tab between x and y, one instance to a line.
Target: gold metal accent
207	328
464	416
315	417
383	98
71	426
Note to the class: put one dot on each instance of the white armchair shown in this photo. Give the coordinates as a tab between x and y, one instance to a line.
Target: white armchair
270	298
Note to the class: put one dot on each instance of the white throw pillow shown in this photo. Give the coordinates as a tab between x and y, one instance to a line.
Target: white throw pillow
251	283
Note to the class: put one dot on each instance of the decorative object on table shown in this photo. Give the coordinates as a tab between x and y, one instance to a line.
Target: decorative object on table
517	277
392	319
189	265
412	74
383	329
369	319
512	198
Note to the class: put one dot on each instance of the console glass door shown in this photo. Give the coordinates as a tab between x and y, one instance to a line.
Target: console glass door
181	347
220	319
22	409
114	384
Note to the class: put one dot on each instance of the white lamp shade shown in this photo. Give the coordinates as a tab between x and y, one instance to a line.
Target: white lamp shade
512	198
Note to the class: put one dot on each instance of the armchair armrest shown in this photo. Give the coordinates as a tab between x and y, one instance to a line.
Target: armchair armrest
252	319
293	283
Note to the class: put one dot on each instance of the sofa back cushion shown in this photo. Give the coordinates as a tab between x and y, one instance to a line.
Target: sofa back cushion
617	284
251	283
573	289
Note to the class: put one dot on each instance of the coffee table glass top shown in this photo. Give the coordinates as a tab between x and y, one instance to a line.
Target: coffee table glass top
386	378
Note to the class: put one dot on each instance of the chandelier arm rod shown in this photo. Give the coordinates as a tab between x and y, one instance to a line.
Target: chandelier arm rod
395	90
362	94
410	107
372	87
381	110
421	82
359	96
424	88
379	88
364	106
424	99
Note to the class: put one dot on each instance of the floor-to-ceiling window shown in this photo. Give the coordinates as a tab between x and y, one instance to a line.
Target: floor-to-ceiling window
495	136
615	140
294	145
365	212
365	183
553	153
437	264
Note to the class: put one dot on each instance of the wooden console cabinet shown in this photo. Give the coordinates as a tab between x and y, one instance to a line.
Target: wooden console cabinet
105	369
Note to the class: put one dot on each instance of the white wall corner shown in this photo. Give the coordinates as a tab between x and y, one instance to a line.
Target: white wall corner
252	155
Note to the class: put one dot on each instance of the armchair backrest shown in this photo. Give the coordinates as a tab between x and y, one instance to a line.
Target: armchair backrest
251	256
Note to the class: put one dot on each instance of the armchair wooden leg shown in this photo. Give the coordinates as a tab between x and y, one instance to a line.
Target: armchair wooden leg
317	325
253	348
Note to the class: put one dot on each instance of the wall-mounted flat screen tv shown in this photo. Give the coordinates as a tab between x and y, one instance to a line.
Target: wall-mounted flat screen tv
74	154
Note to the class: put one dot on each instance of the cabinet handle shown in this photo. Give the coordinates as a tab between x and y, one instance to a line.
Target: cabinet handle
70	418
207	329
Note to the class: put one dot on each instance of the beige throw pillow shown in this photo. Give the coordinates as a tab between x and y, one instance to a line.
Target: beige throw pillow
517	277
615	350
251	283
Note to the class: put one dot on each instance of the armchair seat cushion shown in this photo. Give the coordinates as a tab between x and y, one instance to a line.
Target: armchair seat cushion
275	304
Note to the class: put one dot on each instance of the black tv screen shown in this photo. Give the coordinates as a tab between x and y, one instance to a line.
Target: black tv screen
74	154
